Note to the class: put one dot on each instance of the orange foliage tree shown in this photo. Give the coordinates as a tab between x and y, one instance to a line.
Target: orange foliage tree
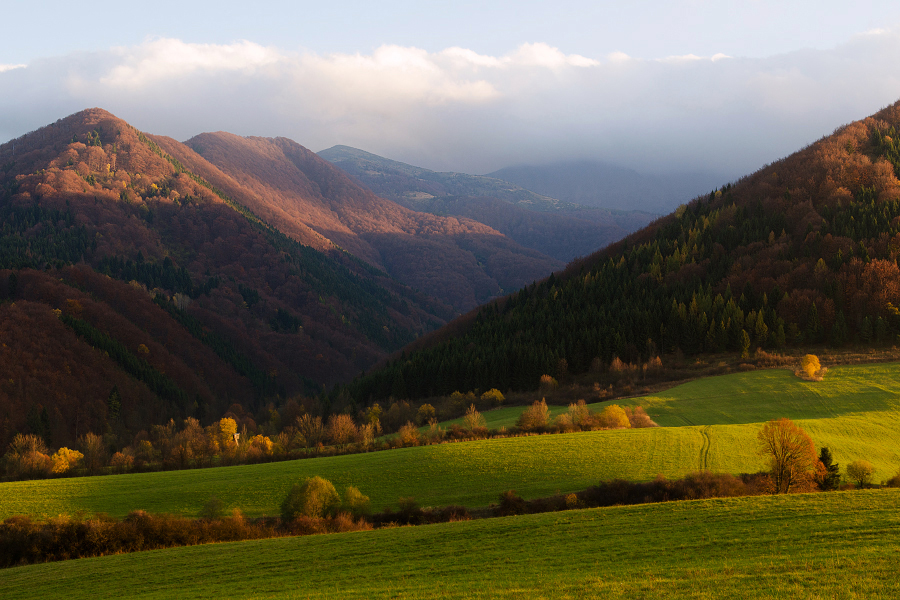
790	452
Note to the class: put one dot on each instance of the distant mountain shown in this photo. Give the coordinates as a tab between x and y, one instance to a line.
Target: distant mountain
141	281
409	185
603	185
801	254
562	230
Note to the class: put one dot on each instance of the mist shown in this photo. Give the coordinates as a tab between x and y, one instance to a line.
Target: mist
462	111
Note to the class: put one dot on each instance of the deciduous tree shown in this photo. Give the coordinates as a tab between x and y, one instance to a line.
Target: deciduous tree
790	452
861	472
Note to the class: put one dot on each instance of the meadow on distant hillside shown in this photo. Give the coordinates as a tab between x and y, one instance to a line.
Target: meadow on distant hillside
834	545
855	411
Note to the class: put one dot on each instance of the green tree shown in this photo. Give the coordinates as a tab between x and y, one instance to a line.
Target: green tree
315	497
830	476
745	344
356	503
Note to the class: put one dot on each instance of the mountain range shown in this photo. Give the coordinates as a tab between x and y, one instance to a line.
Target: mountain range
560	229
182	278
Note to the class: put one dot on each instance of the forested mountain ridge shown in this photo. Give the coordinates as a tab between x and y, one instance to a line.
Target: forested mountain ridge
458	260
563	230
132	289
802	252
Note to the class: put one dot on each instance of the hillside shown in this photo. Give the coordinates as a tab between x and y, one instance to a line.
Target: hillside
854	412
839	544
801	253
563	230
459	261
608	186
124	275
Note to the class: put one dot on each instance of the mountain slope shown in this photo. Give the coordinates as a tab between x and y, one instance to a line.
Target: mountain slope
292	185
405	183
181	301
801	253
563	230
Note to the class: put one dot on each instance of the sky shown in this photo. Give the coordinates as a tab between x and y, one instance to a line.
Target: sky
681	86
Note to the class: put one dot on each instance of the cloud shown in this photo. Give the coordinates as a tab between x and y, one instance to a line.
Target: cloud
10	67
457	109
167	59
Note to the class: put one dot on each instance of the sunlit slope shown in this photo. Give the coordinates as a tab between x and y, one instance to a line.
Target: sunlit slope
836	545
757	396
470	474
854	411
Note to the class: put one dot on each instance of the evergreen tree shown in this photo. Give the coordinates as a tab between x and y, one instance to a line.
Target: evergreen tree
831	478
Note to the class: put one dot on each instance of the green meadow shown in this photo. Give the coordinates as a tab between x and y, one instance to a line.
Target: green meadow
706	424
835	545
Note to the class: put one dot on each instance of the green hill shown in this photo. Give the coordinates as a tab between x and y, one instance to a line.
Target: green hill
835	545
855	412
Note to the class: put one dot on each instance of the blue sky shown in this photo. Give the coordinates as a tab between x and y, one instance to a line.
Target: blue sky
474	86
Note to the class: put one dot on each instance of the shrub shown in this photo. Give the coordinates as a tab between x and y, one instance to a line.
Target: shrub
893	482
315	497
548	383
810	368
425	414
511	504
534	418
474	420
355	503
408	435
613	417
638	417
213	509
121	463
493	397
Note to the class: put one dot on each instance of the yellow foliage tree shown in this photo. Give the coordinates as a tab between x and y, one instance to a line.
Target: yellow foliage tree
614	417
65	460
810	365
227	428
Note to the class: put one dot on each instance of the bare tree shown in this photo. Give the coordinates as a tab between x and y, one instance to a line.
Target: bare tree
790	451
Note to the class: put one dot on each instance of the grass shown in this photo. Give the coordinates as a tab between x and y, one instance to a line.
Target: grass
836	545
711	424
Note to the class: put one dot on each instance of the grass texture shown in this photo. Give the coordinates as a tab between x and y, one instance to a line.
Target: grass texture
835	545
708	424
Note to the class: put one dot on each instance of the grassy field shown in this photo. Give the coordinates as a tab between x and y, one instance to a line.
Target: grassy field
709	424
836	545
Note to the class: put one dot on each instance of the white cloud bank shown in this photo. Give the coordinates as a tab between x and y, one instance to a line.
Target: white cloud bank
460	110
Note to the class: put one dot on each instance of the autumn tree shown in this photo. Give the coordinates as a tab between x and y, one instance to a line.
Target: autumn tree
94	452
535	417
613	416
790	452
341	429
810	366
474	420
27	457
861	472
311	430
